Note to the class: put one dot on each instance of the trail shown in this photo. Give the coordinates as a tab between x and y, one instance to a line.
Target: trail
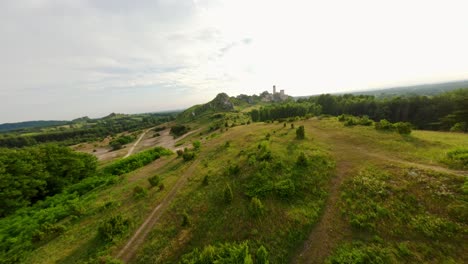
127	253
130	151
331	228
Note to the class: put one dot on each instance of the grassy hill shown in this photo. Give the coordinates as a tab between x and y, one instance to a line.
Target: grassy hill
341	195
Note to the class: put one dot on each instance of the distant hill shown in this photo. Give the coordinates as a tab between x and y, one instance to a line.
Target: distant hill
422	89
221	103
30	124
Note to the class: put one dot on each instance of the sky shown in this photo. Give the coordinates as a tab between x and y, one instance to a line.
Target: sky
63	59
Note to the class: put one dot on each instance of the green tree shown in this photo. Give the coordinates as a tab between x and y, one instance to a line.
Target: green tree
262	255
300	132
256	207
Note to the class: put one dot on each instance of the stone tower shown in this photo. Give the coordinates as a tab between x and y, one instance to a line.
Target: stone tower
274	89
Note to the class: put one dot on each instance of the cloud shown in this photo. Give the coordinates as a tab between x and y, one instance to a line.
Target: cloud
68	58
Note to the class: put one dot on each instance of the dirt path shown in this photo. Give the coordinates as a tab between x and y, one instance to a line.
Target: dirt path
130	151
127	253
331	228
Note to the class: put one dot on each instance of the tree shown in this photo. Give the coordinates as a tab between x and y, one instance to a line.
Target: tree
302	160
300	132
154	181
262	255
256	207
113	227
185	219
196	145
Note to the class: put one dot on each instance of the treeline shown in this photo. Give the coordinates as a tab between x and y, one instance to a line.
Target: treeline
99	130
440	112
136	161
281	111
31	174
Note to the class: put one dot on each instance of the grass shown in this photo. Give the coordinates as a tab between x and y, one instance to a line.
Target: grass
395	212
429	147
282	226
404	215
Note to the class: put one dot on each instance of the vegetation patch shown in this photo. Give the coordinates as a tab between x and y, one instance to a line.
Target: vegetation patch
136	161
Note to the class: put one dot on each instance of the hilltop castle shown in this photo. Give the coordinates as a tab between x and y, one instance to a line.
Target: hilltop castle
275	96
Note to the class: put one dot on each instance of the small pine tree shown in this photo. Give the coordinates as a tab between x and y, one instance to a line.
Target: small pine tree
228	196
154	181
185	219
196	145
300	132
302	160
262	255
292	126
140	192
284	125
205	181
256	206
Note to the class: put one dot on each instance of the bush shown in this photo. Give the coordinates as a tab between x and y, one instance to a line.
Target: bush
180	153
459	127
302	160
196	145
140	192
285	188
188	155
228	196
136	161
154	181
221	253
300	132
205	181
120	141
457	158
403	128
113	228
256	207
179	130
262	255
359	253
186	220
384	125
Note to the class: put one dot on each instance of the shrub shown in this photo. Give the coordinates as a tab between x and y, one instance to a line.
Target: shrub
188	155
179	130
384	125
185	220
292	126
180	153
302	160
262	255
221	253
113	228
403	128
154	181
457	158
300	132
459	127
196	145
233	169
228	196
285	188
359	253
205	181
139	192
256	207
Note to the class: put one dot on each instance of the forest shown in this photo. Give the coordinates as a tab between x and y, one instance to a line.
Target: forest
445	111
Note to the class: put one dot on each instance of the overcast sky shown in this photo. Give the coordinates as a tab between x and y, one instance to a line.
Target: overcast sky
62	59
